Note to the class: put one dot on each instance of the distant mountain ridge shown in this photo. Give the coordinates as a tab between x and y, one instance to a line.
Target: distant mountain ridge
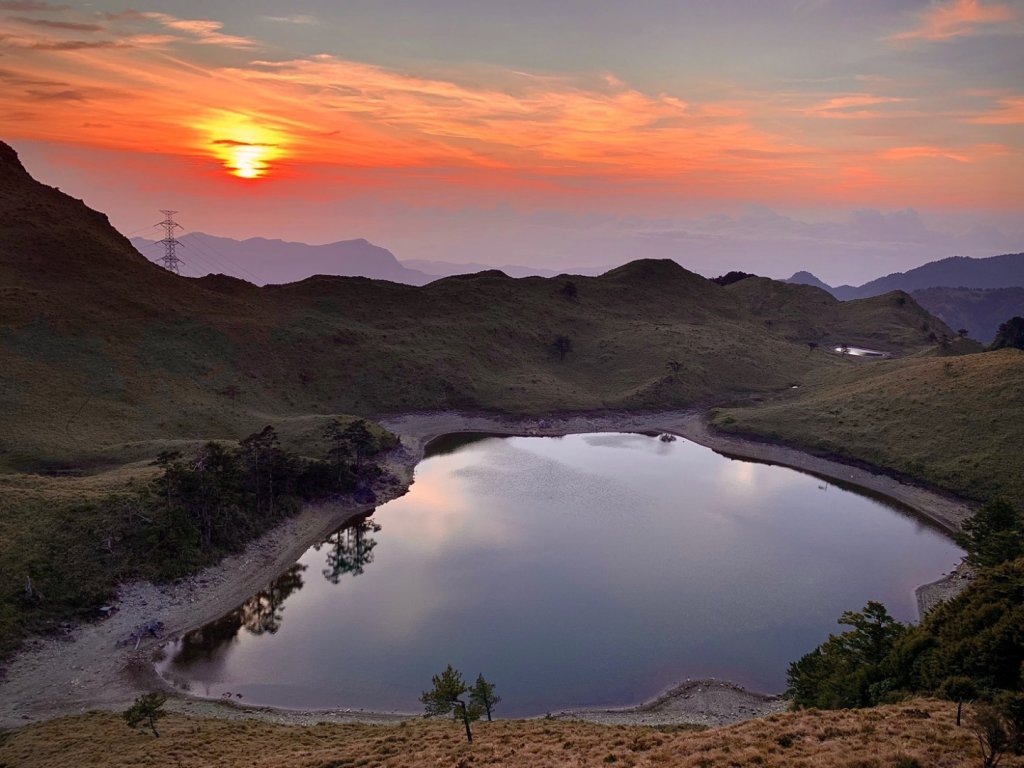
1005	271
264	262
973	294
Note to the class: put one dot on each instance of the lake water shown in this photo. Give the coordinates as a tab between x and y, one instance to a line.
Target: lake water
583	570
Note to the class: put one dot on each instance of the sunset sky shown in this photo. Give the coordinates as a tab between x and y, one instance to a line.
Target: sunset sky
851	138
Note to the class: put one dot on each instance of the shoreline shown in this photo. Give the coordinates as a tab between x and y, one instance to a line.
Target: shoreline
87	670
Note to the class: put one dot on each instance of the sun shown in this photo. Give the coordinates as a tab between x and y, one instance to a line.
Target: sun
244	148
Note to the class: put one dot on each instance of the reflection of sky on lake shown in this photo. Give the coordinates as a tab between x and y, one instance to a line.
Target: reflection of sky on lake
589	569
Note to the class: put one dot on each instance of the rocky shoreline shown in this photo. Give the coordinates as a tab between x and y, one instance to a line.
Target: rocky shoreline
88	669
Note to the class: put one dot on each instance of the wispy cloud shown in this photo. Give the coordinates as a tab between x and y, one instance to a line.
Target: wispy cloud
28	6
1009	112
202	31
296	19
956	18
50	24
851	106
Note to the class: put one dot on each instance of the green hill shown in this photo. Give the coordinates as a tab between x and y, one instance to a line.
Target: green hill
954	422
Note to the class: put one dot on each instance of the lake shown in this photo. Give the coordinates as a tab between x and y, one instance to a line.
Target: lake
583	570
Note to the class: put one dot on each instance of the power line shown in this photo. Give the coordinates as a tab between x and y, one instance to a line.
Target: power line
170	258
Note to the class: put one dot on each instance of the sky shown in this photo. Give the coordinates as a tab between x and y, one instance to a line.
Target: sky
848	138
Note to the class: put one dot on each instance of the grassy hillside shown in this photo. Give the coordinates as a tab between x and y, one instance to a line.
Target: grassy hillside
912	735
956	422
104	355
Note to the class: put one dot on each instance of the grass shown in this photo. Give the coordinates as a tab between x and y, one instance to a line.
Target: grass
954	422
921	730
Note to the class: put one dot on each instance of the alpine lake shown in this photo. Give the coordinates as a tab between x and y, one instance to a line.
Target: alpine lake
586	570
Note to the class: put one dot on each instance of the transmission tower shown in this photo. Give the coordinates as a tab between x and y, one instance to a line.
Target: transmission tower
170	258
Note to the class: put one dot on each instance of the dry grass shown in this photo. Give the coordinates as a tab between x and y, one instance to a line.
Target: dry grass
921	730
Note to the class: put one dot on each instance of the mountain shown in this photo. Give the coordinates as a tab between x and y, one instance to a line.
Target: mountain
449	268
980	311
972	294
265	261
1004	271
107	358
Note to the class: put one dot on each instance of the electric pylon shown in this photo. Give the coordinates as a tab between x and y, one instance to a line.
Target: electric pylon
170	258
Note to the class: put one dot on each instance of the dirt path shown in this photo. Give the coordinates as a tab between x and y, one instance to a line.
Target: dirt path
89	670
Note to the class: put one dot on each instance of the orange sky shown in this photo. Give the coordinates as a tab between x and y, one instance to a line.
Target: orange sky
222	100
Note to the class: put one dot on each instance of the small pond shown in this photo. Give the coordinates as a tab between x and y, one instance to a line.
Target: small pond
584	570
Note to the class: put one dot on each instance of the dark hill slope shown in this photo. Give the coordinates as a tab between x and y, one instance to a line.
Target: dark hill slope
804	313
104	355
980	311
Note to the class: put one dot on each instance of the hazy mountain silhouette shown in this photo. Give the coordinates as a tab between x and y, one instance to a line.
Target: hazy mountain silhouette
264	262
974	294
449	268
978	310
1006	271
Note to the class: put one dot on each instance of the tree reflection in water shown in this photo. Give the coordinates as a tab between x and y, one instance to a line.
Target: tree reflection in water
261	613
351	549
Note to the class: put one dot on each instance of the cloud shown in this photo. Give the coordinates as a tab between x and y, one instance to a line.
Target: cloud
66	95
956	18
28	6
849	106
202	31
1009	112
68	25
235	143
297	19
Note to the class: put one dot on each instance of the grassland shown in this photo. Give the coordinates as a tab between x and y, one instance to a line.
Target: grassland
954	422
918	733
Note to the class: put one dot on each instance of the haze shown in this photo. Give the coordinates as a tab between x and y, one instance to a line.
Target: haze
850	139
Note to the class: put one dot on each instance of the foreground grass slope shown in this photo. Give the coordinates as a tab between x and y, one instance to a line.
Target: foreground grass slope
103	355
954	422
898	735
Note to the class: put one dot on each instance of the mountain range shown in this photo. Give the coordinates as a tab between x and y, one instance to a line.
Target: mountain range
976	295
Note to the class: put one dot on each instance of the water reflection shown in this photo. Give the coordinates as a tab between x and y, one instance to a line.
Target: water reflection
260	614
349	550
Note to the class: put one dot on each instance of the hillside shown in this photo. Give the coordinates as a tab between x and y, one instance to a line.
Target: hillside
919	732
103	354
264	261
954	422
980	311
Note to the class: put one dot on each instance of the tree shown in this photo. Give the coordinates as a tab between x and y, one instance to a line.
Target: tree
146	709
811	346
443	699
990	729
483	696
962	333
569	290
847	670
993	535
1010	334
674	366
562	346
958	688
